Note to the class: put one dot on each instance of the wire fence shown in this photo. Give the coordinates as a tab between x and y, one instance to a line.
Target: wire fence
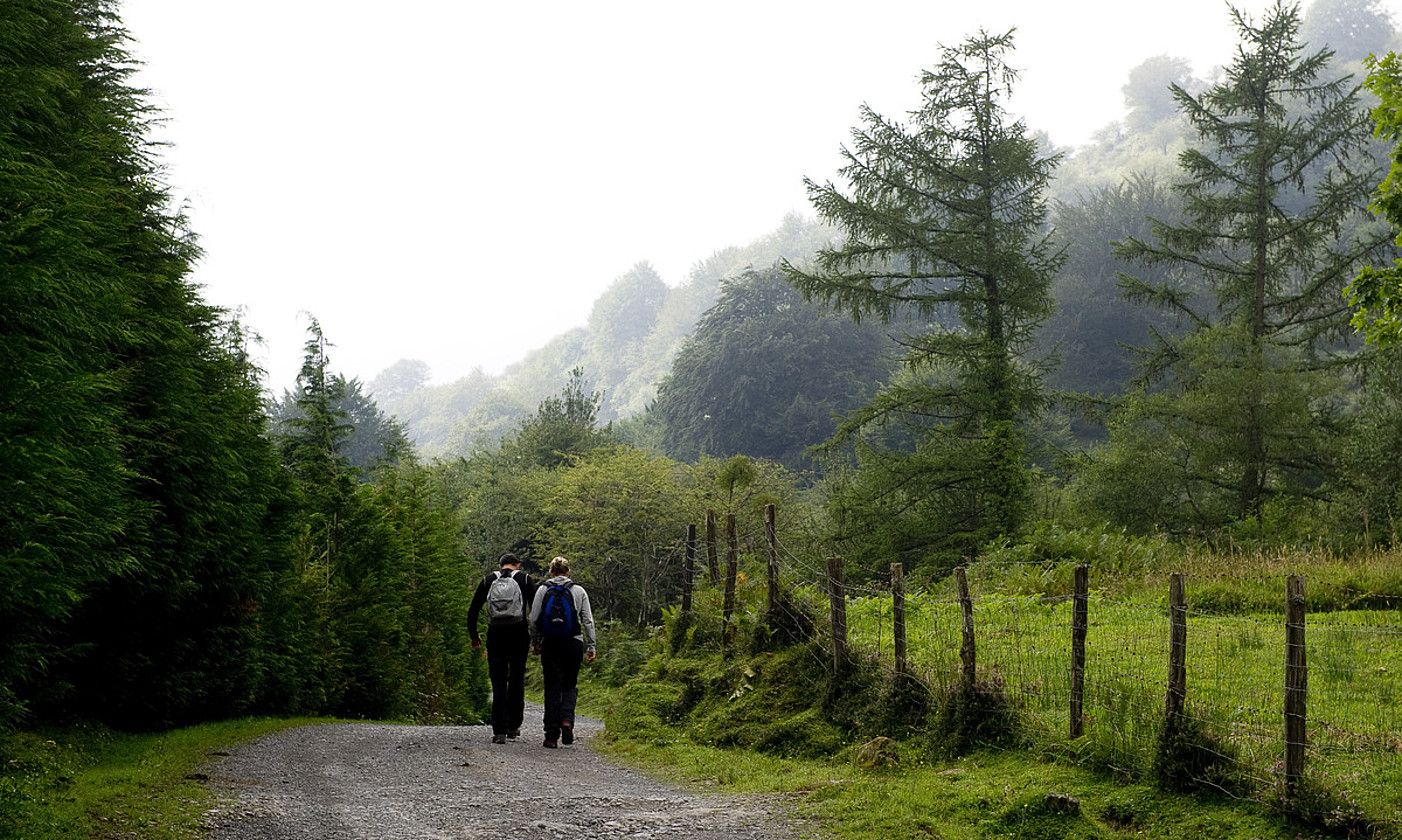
1231	732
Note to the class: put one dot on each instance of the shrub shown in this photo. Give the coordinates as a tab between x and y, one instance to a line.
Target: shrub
977	716
1189	757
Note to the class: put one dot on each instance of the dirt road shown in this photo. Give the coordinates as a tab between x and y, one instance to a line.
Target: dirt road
364	781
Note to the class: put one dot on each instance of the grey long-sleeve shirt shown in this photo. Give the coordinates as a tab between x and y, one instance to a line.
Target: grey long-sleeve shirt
581	608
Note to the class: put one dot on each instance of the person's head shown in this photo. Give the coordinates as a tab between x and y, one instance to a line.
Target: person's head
559	566
510	561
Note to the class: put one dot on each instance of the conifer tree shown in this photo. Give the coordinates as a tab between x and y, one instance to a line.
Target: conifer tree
945	224
138	518
64	504
1242	408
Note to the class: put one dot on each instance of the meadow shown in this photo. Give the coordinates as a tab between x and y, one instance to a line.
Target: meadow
1235	665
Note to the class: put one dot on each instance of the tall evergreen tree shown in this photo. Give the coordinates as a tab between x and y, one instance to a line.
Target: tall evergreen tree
1272	231
445	682
140	510
372	438
64	503
345	569
945	220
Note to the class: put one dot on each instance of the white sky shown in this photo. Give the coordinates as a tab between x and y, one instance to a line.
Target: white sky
457	181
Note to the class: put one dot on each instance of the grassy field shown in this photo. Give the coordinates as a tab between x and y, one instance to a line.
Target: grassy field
981	795
1235	664
95	783
759	721
760	740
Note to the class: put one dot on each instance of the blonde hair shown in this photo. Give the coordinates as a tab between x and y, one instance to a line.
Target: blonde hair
559	566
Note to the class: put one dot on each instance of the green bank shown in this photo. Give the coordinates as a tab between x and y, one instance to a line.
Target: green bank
92	782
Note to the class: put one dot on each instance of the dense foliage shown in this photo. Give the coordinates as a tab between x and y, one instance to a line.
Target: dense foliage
767	374
1377	291
162	559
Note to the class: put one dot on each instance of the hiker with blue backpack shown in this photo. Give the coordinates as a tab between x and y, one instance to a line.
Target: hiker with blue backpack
562	632
507	595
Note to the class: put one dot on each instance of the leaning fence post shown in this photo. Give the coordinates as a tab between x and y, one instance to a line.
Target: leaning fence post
1078	649
1296	678
837	602
1177	652
732	567
712	564
688	568
966	649
771	537
898	616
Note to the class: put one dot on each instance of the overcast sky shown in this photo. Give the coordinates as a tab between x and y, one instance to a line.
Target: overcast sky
457	181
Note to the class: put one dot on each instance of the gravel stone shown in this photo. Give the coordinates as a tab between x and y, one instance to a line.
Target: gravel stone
361	781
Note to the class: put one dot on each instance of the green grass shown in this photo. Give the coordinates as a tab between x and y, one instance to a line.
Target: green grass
95	783
986	794
763	739
1235	680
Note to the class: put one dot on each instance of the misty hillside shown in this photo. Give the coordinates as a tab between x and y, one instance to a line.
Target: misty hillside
626	347
1102	192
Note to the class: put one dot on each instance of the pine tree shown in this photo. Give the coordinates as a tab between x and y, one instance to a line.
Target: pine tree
564	426
1271	233
945	222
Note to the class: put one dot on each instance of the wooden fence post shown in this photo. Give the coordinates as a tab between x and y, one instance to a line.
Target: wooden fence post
898	616
712	564
966	649
1296	679
772	538
688	568
1078	649
1177	651
732	567
837	601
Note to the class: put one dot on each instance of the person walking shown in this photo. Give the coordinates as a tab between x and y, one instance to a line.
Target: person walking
562	632
507	595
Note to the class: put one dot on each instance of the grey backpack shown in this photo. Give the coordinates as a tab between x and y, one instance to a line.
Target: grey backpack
504	604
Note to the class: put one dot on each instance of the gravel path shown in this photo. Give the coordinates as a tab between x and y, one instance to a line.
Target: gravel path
344	781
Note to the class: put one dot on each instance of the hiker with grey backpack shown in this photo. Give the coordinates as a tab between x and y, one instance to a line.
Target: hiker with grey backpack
507	595
562	632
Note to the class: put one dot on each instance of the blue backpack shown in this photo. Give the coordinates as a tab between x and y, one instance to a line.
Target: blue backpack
558	618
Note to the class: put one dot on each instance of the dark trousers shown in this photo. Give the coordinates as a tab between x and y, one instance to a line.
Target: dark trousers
559	665
507	647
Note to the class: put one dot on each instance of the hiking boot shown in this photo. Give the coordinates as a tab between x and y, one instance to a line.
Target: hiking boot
550	744
514	734
498	739
567	732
